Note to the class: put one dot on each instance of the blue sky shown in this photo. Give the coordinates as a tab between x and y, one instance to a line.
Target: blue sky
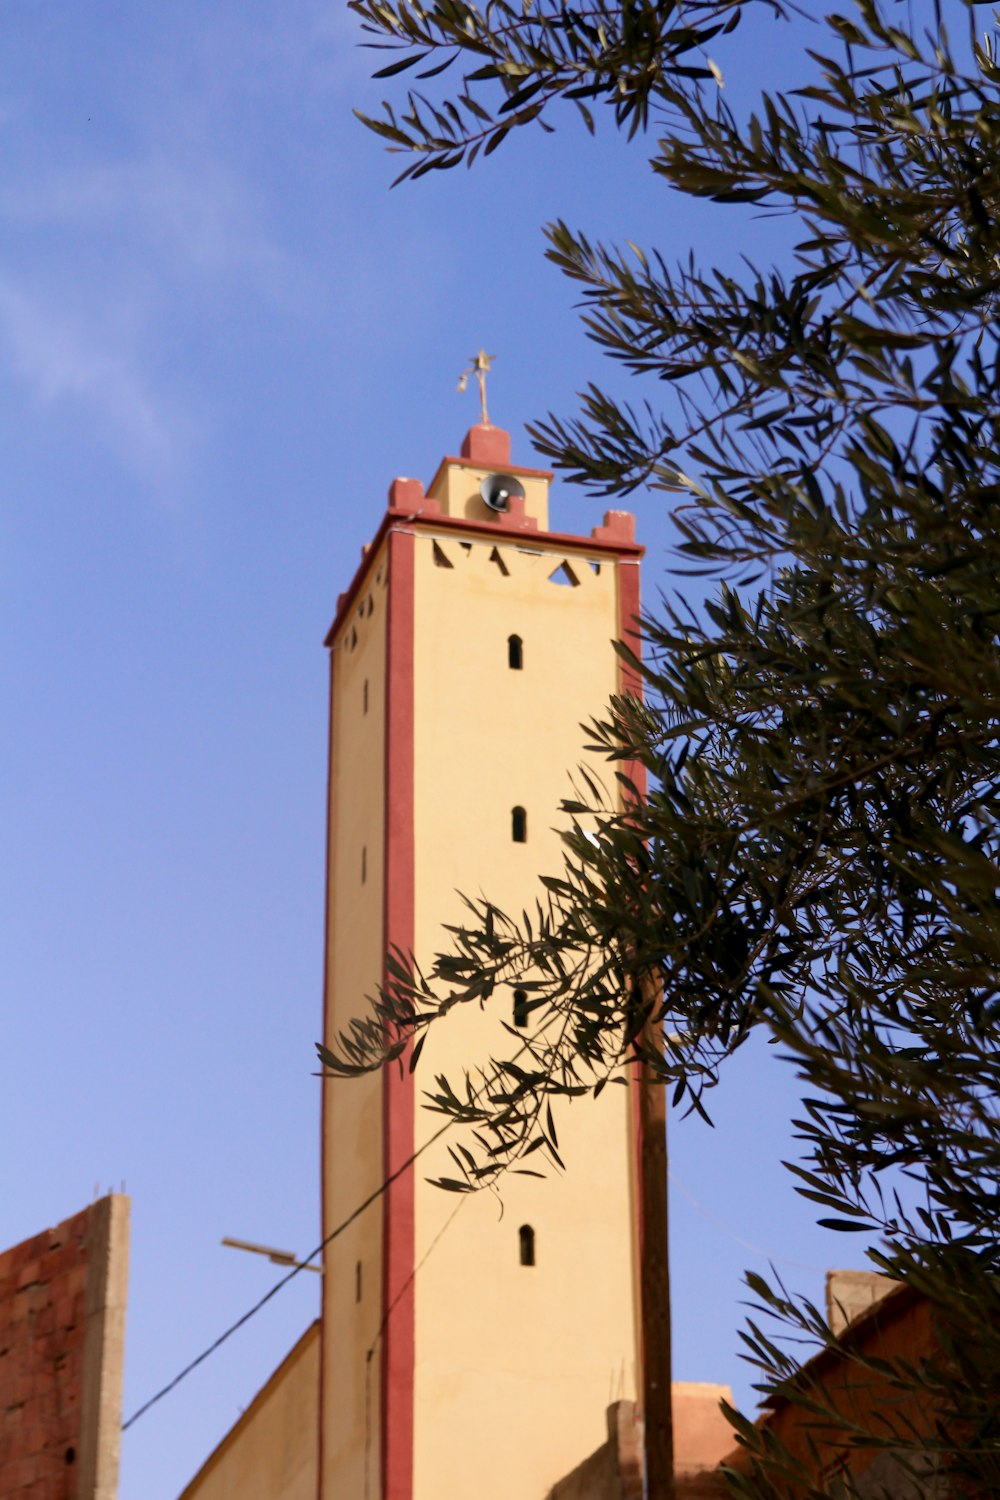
221	336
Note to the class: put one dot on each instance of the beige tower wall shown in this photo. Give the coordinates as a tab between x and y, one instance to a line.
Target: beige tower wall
352	1112
514	1365
460	1371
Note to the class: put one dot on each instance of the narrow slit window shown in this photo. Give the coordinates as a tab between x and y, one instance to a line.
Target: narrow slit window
515	653
526	1244
520	1007
364	697
364	864
519	825
357	1282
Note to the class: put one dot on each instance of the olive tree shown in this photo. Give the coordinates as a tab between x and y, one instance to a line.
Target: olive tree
817	853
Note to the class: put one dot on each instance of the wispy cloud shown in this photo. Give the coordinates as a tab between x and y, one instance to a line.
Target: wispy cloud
62	358
131	241
196	213
101	265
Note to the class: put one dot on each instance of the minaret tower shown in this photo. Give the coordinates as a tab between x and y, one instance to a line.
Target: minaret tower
468	1352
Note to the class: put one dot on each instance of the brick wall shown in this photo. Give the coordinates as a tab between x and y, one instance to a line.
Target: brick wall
62	1312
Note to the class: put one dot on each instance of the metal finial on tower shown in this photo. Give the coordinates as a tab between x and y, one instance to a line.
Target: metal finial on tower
479	366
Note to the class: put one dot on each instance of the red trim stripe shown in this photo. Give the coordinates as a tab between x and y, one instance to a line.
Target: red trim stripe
630	634
398	1096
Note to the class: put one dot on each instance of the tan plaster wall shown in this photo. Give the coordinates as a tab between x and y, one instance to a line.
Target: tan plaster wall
614	1471
522	1362
702	1435
271	1452
353	1111
702	1439
849	1294
104	1348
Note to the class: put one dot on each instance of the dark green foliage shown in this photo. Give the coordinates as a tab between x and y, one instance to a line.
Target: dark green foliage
819	852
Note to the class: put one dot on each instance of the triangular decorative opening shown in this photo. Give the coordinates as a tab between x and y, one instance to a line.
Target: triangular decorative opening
498	560
564	575
441	558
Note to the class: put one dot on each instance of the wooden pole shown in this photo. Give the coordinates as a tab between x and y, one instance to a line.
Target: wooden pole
655	1286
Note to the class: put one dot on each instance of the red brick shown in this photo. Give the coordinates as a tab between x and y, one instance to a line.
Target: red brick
30	1272
26	1469
75	1279
57	1262
63	1310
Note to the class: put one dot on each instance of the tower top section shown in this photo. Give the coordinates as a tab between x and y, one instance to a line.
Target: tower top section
458	485
482	495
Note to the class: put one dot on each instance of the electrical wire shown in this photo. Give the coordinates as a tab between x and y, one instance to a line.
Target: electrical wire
262	1302
723	1228
303	1264
356	1214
